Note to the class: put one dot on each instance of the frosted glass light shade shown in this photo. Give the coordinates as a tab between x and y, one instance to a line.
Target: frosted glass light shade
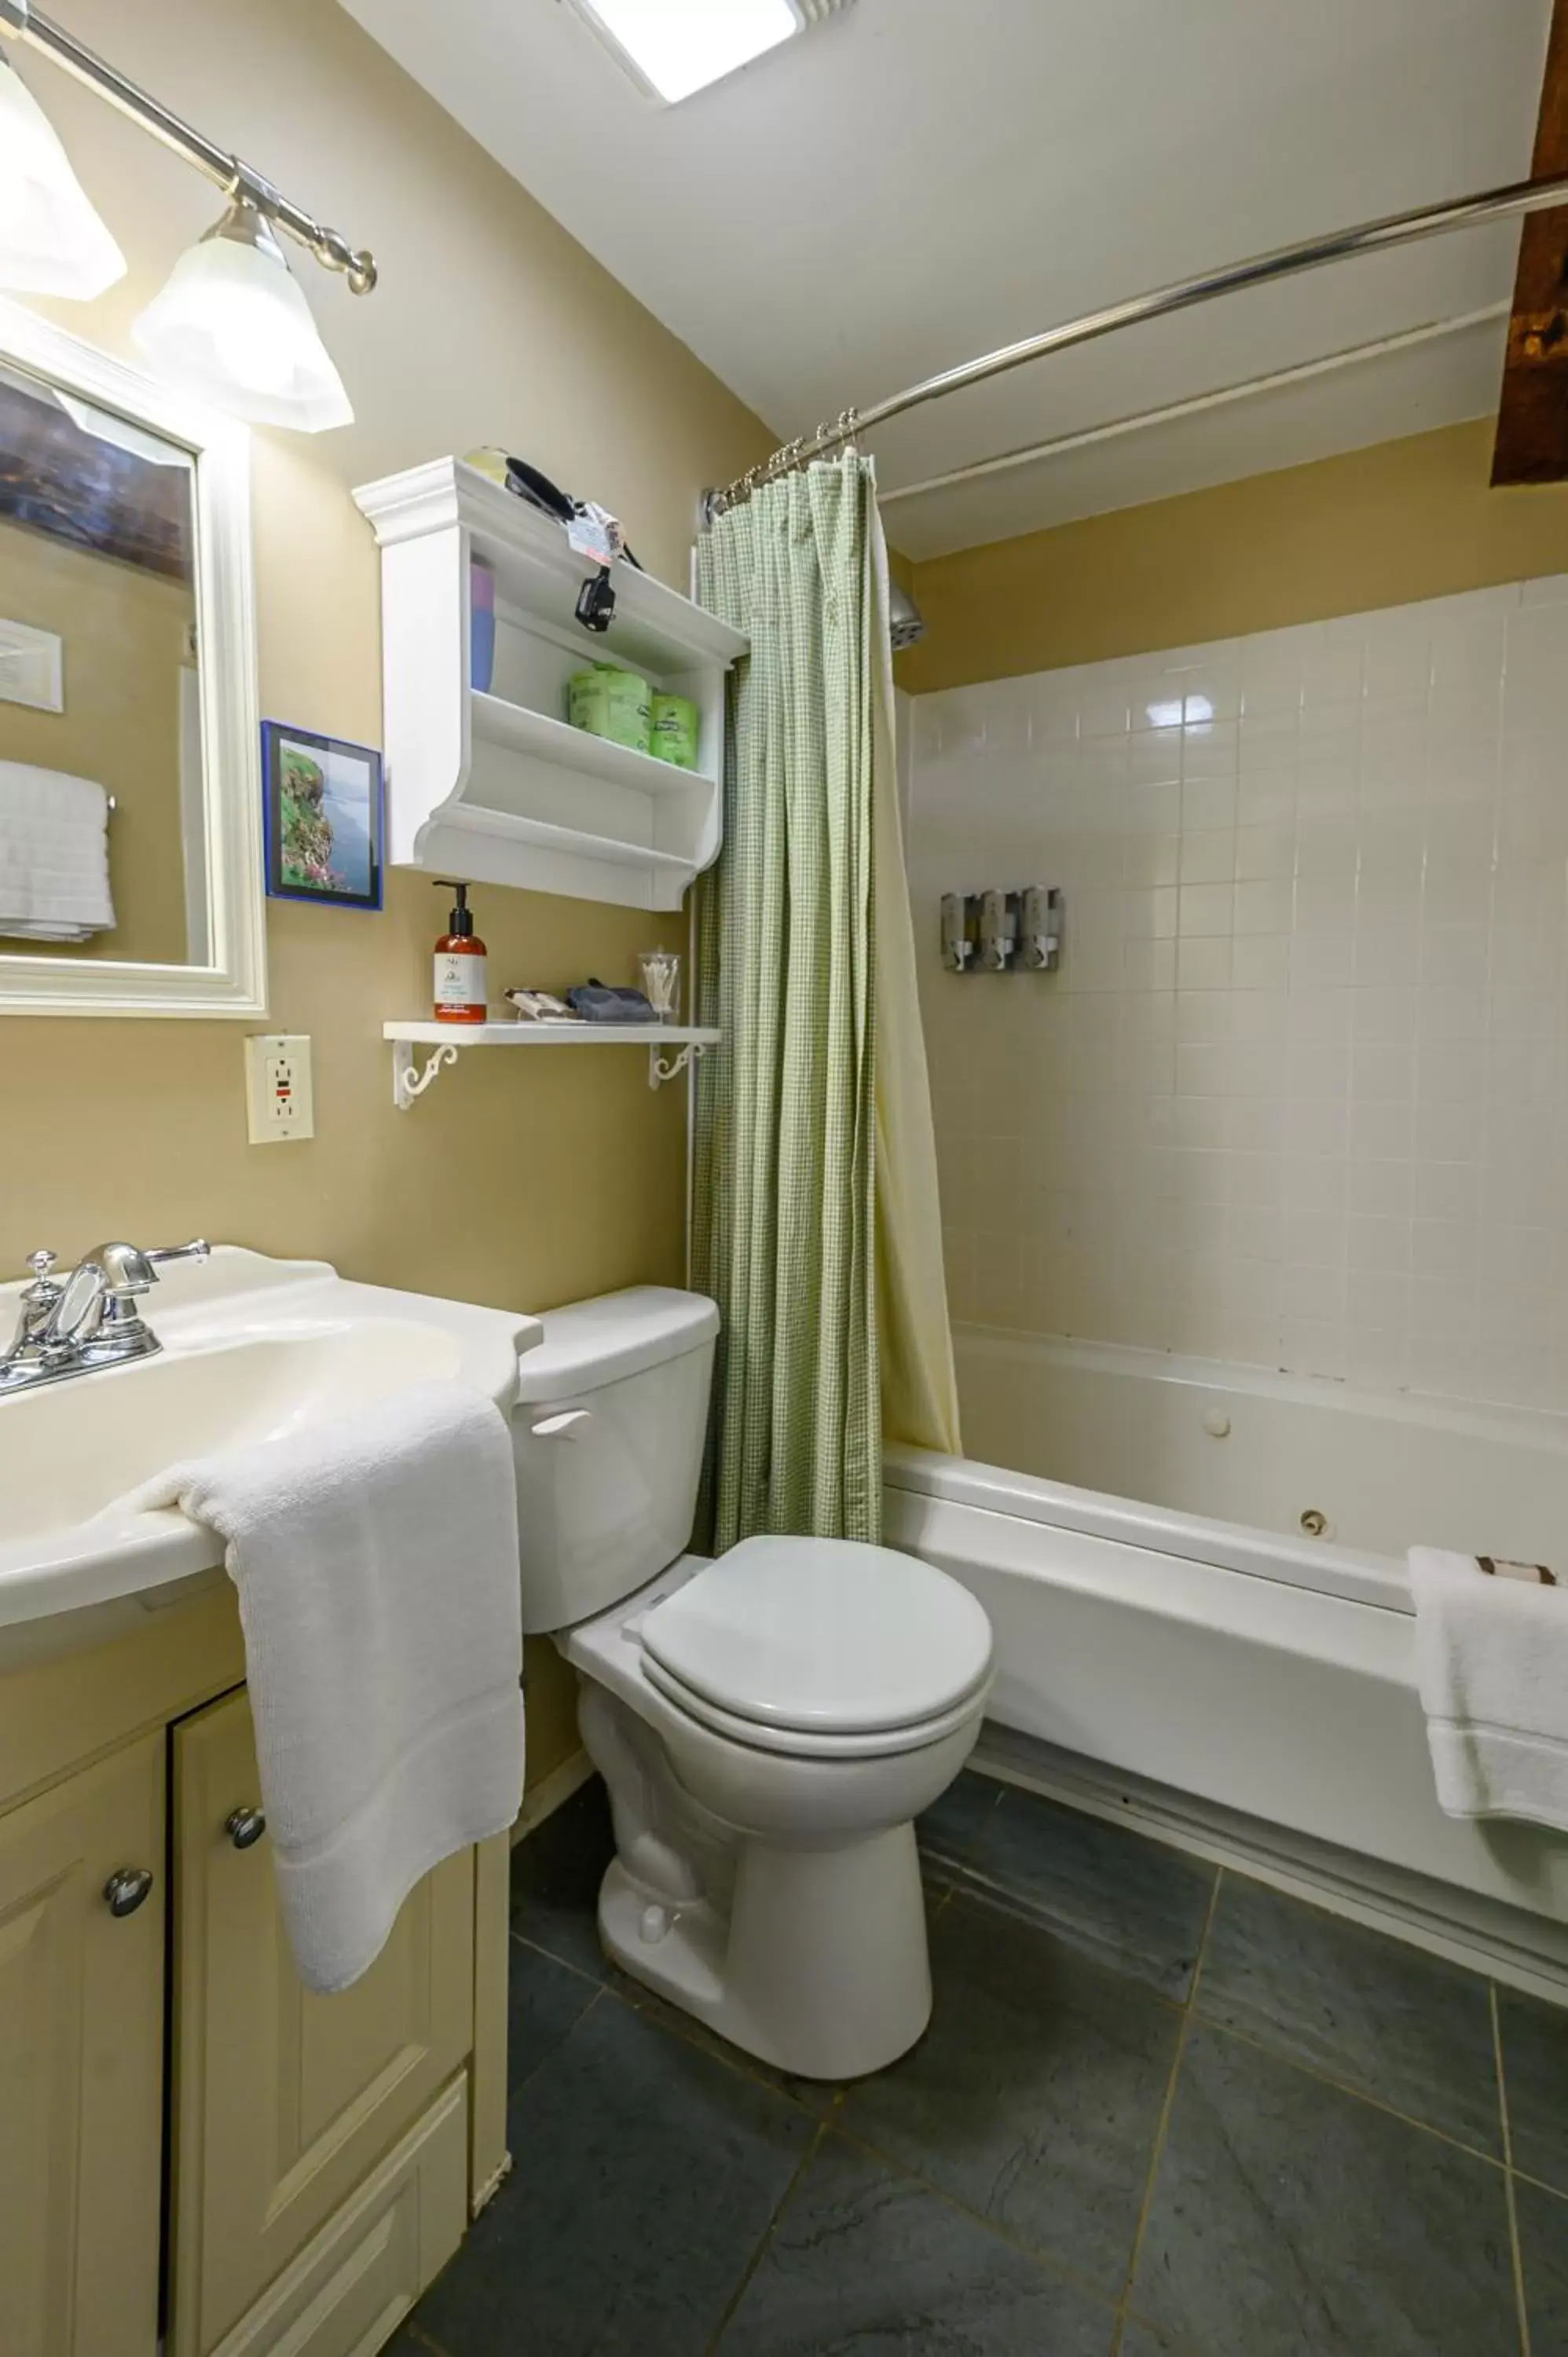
231	326
51	239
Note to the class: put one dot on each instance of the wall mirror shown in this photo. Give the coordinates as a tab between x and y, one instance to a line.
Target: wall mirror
130	835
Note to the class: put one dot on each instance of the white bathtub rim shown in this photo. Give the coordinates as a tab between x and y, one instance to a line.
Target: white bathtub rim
1481	1420
1318	1563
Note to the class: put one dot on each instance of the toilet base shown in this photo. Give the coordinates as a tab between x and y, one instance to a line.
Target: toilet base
820	1967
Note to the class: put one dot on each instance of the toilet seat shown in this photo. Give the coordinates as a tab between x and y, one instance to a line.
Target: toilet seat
821	1648
794	1743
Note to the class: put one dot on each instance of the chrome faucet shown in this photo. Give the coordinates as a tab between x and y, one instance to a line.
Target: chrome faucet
89	1320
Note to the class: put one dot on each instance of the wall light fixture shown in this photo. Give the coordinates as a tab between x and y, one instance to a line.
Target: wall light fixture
231	323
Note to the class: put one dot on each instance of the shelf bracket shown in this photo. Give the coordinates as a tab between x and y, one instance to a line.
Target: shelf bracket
669	1067
408	1084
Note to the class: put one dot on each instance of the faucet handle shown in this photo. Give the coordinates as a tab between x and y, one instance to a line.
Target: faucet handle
38	1298
198	1249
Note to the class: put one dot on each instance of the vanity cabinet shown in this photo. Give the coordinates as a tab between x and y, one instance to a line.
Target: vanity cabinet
284	2101
81	2018
293	2169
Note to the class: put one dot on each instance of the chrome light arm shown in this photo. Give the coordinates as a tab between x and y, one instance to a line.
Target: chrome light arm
20	21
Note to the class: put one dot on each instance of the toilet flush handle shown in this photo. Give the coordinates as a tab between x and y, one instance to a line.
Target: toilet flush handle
565	1424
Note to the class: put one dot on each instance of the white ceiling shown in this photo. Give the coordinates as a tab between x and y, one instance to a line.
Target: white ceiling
921	180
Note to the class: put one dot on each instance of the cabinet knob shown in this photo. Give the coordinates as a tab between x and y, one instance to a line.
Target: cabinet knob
245	1827
126	1888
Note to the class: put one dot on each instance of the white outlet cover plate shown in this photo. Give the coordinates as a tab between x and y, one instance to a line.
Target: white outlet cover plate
279	1096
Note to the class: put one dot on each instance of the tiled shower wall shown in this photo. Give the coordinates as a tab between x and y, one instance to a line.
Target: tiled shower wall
1299	1095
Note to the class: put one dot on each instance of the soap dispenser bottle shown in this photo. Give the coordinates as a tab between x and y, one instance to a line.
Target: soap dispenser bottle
459	970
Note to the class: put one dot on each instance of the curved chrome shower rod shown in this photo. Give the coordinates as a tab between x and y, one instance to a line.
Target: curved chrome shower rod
1507	203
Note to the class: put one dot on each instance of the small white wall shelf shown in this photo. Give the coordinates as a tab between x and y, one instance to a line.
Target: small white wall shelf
448	1039
498	788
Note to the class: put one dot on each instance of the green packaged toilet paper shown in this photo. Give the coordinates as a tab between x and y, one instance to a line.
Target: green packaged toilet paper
613	703
675	731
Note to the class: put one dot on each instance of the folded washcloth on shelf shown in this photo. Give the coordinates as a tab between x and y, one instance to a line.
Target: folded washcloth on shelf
54	855
376	1559
1491	1649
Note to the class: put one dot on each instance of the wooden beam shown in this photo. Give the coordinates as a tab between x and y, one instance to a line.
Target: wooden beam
1531	444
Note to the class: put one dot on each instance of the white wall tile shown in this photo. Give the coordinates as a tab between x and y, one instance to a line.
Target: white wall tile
1203	964
1299	1094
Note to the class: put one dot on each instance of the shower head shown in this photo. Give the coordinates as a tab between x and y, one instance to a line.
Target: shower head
905	623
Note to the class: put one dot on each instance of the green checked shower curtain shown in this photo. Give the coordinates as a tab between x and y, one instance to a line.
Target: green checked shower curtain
790	943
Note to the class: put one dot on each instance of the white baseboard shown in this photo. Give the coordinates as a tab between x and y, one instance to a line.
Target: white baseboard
551	1793
1527	1952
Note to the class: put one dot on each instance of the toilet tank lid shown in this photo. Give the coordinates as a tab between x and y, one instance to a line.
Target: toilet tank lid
589	1343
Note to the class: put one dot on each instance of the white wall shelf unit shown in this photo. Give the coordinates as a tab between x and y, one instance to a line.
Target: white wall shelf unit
498	788
446	1040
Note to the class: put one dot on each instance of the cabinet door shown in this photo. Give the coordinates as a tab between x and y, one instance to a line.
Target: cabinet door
283	2101
81	2010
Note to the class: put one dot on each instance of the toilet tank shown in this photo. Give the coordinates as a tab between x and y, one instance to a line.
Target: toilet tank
607	1435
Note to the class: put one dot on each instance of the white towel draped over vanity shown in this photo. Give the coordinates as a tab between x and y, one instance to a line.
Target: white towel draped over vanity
54	855
376	1560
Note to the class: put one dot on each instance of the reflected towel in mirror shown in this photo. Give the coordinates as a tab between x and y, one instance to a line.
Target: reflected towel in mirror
54	855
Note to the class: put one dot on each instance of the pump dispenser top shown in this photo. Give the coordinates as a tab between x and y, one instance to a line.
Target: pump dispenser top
458	977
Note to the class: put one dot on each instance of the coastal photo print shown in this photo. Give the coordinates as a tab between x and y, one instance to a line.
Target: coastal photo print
323	818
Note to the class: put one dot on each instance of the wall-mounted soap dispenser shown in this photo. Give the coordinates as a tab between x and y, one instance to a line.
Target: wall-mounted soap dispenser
1040	930
957	948
998	934
1002	931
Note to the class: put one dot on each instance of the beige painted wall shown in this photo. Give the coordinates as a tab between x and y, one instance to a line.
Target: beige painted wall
1378	527
124	633
523	1181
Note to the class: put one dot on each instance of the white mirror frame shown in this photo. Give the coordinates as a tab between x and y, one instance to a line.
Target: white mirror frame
235	984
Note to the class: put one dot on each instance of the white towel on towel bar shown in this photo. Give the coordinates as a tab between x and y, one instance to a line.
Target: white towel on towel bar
376	1559
54	855
1491	1651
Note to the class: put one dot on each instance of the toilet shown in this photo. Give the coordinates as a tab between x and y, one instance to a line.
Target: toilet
768	1725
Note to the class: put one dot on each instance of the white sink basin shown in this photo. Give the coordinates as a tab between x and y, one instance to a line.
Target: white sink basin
252	1348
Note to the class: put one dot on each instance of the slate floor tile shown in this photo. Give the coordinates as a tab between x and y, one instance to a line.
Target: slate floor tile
1411	2029
818	2095
644	2177
1535	2068
543	2000
1034	2096
555	1878
1291	2219
1103	1888
865	2264
1544	2259
1140	2339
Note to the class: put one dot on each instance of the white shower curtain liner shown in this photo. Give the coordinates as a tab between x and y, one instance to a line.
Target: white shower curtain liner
919	1388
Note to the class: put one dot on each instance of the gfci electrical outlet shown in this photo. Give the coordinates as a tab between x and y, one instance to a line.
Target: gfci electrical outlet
277	1085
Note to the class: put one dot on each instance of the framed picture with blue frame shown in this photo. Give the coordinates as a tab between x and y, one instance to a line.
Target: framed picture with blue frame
322	816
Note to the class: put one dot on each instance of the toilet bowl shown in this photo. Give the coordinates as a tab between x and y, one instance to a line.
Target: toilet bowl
769	1724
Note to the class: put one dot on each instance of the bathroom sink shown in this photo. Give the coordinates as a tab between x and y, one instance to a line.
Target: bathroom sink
252	1348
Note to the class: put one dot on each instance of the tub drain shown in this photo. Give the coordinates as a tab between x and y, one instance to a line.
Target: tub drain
1314	1523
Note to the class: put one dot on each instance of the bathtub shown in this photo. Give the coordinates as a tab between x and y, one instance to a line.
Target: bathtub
1196	1577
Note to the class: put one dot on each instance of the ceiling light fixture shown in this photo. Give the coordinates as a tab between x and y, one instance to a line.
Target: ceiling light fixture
51	241
232	327
676	46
